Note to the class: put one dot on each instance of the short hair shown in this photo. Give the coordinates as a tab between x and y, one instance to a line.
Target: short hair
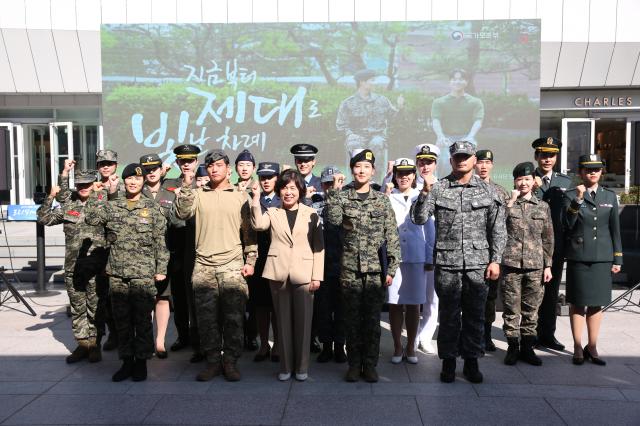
288	176
462	72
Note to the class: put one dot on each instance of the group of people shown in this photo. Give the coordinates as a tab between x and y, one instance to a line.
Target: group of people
316	258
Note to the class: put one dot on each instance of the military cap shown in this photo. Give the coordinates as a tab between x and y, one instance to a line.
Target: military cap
245	156
268	169
402	164
427	150
106	155
364	75
328	173
591	161
186	152
524	169
462	147
304	150
547	145
84	176
150	161
133	169
360	154
215	155
201	171
484	154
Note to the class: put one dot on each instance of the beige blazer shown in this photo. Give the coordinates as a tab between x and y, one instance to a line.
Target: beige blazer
297	255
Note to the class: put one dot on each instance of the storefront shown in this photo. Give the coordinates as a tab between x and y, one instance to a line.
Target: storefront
35	141
603	121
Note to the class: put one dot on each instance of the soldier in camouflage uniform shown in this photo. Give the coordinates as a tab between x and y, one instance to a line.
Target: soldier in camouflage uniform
526	265
225	255
551	187
328	309
371	254
470	238
364	117
483	168
85	258
138	258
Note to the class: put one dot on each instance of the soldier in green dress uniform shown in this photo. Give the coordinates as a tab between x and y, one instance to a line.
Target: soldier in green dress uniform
593	250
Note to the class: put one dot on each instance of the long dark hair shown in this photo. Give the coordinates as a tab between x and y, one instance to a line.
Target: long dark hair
288	176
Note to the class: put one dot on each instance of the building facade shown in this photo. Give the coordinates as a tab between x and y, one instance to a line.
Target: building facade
50	71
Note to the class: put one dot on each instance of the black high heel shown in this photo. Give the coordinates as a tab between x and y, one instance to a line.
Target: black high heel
593	359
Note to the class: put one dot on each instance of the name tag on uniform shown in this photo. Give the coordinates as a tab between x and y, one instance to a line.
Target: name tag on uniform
144	221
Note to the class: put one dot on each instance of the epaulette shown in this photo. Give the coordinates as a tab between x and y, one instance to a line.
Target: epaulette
609	189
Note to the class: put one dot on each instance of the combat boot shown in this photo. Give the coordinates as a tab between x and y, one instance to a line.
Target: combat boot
231	373
139	372
327	353
95	351
448	373
369	374
353	374
111	343
526	351
513	351
125	370
488	343
471	371
79	353
212	370
339	355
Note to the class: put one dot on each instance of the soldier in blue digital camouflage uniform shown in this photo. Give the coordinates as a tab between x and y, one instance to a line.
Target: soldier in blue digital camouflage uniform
368	225
470	238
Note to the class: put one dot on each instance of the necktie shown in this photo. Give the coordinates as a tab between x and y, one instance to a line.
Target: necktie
268	201
545	182
593	195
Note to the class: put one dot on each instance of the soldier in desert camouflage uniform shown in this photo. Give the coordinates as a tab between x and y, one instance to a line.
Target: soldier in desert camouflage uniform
483	167
138	257
224	239
368	225
526	264
85	258
470	238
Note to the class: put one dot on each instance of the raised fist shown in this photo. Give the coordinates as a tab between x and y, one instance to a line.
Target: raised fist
113	183
310	191
580	190
429	180
537	182
515	194
388	188
338	181
187	177
97	186
54	191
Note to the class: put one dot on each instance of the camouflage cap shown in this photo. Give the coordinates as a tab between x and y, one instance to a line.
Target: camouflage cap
484	154
462	147
133	169
591	161
106	155
524	169
216	155
364	75
327	174
85	176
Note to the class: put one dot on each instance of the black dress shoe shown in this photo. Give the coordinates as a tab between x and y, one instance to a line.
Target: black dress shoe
593	359
550	343
339	355
577	360
179	344
162	354
259	357
196	357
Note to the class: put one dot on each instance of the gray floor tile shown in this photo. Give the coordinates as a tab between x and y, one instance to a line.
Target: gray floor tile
349	410
486	411
35	370
168	388
586	374
24	388
89	388
424	389
85	409
576	412
631	394
12	403
244	387
550	391
218	409
329	388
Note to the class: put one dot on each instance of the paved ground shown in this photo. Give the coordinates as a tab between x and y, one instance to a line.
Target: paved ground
37	387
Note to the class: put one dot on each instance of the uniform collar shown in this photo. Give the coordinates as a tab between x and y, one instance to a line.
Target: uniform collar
474	181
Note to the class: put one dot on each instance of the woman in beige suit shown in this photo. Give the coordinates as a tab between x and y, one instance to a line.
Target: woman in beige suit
294	268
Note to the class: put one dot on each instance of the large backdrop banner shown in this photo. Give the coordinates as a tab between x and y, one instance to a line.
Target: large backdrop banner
387	86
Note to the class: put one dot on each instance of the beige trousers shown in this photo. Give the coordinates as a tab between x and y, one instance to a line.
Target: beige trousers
293	305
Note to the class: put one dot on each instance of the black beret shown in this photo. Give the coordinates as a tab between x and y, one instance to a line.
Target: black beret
361	155
245	156
524	169
484	154
133	169
201	171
